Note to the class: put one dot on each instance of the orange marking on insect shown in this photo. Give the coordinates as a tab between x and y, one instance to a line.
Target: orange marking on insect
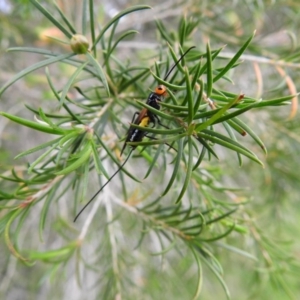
161	90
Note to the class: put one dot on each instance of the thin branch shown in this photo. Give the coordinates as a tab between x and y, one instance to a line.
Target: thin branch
114	247
152	219
43	190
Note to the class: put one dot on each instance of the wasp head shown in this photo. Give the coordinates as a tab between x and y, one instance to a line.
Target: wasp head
161	91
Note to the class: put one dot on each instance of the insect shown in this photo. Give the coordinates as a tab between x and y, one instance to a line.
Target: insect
153	100
143	119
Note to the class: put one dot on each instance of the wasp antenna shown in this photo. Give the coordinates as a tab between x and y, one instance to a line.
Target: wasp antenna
178	61
106	183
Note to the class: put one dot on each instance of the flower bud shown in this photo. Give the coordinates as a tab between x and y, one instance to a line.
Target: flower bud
79	44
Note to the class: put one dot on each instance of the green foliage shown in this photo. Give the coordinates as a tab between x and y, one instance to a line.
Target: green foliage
182	210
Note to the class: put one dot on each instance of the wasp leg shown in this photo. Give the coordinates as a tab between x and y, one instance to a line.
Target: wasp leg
128	131
134	115
159	122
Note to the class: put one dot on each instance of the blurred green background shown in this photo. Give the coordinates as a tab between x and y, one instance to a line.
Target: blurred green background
271	68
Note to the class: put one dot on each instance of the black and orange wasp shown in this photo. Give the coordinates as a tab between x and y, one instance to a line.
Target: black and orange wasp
142	119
